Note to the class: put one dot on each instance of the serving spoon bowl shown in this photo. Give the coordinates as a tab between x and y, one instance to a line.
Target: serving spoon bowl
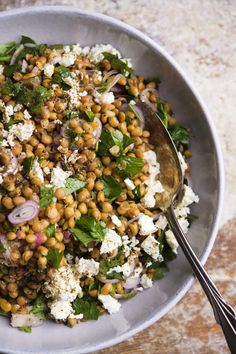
171	177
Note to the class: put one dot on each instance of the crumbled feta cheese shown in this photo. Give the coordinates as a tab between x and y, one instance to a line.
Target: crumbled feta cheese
46	170
171	240
68	59
95	53
126	269
76	48
116	221
1	179
104	98
64	285
48	70
60	309
80	316
183	163
109	303
74	157
145	281
83	93
9	110
26	114
146	224
18	107
181	212
151	247
189	197
129	184
129	244
59	177
1	69
111	242
36	171
153	186
161	223
87	267
21	131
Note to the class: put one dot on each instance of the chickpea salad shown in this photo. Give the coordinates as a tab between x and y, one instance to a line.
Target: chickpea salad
79	183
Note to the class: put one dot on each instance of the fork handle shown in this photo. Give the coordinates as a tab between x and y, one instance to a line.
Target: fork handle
224	313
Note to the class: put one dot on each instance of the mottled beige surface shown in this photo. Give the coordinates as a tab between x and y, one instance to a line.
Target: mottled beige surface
201	36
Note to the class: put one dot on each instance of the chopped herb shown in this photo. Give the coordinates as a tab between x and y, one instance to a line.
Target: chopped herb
60	73
112	188
72	135
26	329
27	165
109	139
106	265
11	69
118	64
87	115
88	309
2	248
129	295
179	134
27	40
50	230
6	51
72	185
8	227
129	166
87	229
39	307
8	88
11	122
137	192
163	113
71	114
54	257
46	196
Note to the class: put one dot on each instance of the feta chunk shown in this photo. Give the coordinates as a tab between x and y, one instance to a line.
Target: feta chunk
48	70
189	197
129	184
161	223
26	114
59	177
95	53
145	281
105	98
171	240
36	171
61	309
87	267
68	59
129	244
116	221
22	131
126	269
151	247
111	242
146	224
109	303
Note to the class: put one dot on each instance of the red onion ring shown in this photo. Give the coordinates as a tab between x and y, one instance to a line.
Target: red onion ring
35	70
16	53
113	82
144	98
23	213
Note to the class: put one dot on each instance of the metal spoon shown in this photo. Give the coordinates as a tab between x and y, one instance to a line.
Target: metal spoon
171	178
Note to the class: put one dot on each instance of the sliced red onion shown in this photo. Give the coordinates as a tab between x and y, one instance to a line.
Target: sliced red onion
35	70
117	89
108	74
24	65
23	213
131	282
18	320
67	234
39	239
124	107
144	98
98	131
113	82
7	252
16	53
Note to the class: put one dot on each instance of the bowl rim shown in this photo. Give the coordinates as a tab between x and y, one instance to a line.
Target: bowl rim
219	157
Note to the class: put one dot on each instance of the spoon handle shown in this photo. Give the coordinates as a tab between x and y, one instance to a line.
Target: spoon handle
224	313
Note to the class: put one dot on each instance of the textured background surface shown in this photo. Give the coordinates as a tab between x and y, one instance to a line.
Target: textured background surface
201	36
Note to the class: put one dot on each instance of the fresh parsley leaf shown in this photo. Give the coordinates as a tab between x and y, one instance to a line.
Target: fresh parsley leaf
72	135
72	185
10	123
129	295
87	229
179	134
71	114
46	196
109	139
27	165
137	192
60	73
88	309
50	230
87	115
118	64
6	51
39	307
2	248
129	166
112	188
54	257
106	265
11	69
158	274
26	329
163	113
8	88
27	40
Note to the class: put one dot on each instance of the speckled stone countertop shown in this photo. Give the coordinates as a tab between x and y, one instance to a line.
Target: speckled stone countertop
201	36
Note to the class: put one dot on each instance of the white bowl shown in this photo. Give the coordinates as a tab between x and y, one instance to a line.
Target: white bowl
69	25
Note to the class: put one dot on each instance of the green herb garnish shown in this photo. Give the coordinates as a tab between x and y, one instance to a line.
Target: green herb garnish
88	309
39	307
27	165
73	185
109	139
118	64
72	136
87	115
46	196
54	257
2	248
60	73
179	134
87	229
163	113
112	188
50	230
129	166
26	329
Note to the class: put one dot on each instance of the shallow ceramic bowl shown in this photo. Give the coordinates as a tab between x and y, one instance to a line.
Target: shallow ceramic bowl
70	25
